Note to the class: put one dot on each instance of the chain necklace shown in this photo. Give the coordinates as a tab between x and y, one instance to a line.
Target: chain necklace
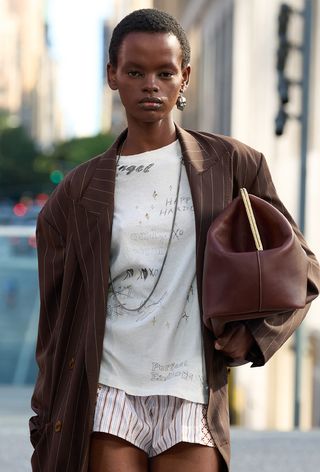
167	249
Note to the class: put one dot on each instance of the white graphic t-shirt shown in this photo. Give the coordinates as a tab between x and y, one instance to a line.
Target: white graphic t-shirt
156	350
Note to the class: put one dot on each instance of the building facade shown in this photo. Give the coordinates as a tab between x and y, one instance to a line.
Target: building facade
28	72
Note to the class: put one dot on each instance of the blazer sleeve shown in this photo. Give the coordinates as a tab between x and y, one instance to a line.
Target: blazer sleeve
51	253
271	333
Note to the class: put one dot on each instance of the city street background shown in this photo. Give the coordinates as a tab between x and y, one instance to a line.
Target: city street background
57	111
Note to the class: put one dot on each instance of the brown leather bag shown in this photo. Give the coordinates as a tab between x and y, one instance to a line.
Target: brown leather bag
254	265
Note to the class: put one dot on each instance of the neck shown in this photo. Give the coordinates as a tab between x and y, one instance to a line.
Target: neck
148	136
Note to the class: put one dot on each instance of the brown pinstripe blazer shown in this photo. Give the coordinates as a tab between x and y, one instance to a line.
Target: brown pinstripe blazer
73	237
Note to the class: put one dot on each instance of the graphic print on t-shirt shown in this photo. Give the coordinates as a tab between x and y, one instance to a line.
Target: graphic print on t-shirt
149	238
156	349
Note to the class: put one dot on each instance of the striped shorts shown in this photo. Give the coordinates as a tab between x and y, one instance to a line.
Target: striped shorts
152	423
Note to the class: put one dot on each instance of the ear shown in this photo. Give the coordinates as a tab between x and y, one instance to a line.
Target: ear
112	76
186	77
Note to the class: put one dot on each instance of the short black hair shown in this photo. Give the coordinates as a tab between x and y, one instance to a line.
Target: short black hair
148	20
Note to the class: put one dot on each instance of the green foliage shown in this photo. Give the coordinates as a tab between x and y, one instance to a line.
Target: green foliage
68	154
77	150
24	169
4	119
17	154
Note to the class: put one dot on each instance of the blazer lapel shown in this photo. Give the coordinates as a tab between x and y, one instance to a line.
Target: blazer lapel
93	209
98	190
91	222
194	152
210	178
210	174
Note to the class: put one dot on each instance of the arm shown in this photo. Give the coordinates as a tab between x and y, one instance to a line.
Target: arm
264	336
51	251
272	332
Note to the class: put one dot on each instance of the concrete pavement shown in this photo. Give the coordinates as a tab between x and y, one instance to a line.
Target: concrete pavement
252	451
15	448
273	451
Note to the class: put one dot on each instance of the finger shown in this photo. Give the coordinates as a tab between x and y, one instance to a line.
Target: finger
239	344
226	337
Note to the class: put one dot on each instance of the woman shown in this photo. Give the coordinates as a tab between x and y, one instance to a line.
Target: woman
129	377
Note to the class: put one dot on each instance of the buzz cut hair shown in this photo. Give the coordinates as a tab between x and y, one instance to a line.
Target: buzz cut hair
148	20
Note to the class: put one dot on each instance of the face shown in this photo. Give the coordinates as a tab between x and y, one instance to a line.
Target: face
149	75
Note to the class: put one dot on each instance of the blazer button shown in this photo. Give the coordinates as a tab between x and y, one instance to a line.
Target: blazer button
58	426
71	363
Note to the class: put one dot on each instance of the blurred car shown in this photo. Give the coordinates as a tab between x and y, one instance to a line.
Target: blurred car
22	214
19	213
25	215
23	245
7	216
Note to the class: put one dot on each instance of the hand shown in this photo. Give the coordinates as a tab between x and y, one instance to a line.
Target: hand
235	342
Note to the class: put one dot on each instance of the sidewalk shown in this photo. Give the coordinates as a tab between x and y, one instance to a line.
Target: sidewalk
252	451
273	451
15	448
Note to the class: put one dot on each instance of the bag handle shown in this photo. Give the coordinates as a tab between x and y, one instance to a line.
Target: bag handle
251	218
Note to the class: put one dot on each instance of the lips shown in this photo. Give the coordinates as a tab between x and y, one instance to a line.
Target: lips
151	100
149	104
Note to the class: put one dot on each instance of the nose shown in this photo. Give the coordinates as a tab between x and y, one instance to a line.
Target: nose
150	84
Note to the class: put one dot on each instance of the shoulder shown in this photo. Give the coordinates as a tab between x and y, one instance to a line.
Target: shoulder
226	145
244	161
56	210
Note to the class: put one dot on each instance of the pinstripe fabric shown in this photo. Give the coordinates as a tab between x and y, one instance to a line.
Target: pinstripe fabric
152	423
73	238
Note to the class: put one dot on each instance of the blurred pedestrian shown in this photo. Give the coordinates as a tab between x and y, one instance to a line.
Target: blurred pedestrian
130	379
10	292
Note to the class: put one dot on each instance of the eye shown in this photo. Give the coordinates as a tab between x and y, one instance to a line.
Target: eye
166	75
134	73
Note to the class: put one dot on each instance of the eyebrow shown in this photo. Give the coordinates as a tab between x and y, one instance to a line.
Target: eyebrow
161	66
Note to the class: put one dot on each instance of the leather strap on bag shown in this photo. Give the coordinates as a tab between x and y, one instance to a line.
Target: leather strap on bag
251	218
